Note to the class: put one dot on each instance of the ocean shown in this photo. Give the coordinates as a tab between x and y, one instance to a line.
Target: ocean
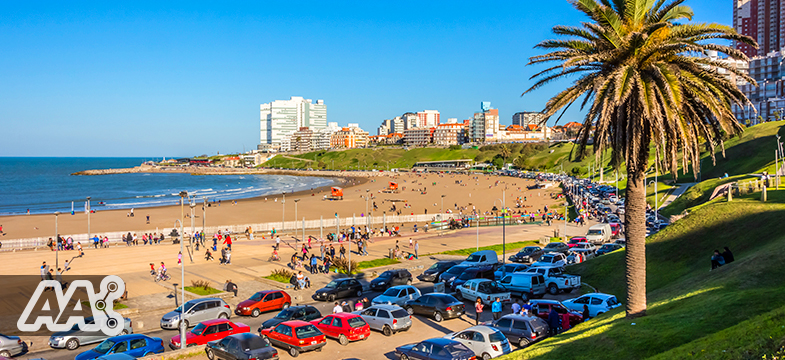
45	185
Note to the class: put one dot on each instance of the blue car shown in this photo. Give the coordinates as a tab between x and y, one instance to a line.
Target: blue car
508	269
134	345
435	349
118	356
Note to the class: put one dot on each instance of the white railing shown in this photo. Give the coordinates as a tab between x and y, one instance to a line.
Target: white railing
328	224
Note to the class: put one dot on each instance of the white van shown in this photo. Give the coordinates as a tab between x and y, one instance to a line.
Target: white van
599	234
524	285
481	258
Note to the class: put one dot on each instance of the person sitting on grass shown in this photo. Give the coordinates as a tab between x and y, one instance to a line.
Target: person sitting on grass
717	260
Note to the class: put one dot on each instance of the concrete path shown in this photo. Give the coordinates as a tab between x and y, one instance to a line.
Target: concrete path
676	193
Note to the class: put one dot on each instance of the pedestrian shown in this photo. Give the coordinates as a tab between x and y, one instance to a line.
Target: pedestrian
553	321
496	309
411	244
228	242
337	308
228	255
342	252
346	307
717	260
208	256
44	271
314	264
66	266
223	256
527	308
586	314
79	249
516	307
477	311
300	279
416	250
359	305
231	287
365	246
727	255
179	258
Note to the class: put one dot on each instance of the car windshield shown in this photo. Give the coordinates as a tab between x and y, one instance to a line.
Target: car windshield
455	349
199	329
612	301
496	336
547	258
595	232
105	346
307	331
257	296
386	274
468	275
356	322
400	313
455	270
434	266
188	305
473	258
331	285
284	314
254	342
391	292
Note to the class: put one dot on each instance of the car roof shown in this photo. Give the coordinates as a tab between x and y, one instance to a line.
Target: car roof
518	317
401	287
482	328
385	307
600	295
295	323
344	315
128	337
343	279
267	291
544	301
554	243
478	280
441	341
242	336
214	321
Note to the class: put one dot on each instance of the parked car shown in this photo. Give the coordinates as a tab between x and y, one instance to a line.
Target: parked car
584	246
542	308
389	319
245	346
435	349
620	210
599	234
551	259
75	337
344	327
598	303
556	247
439	306
301	312
485	289
528	254
575	240
295	336
120	356
338	289
524	285
263	301
196	311
608	248
391	278
136	345
508	269
482	258
432	273
615	228
556	280
448	276
397	295
208	331
522	330
486	342
12	346
477	272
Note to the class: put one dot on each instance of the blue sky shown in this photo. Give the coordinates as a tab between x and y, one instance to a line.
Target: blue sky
160	78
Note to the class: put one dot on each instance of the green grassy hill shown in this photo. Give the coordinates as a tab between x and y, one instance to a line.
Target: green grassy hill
734	312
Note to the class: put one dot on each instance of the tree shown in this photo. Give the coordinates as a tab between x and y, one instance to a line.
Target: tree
639	73
519	162
505	152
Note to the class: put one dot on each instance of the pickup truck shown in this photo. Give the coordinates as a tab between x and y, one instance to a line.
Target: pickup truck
556	280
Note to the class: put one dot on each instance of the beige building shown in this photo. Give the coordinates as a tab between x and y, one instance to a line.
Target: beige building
450	133
418	136
349	137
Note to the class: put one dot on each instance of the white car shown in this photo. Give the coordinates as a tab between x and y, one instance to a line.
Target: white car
487	290
551	259
485	341
584	246
598	303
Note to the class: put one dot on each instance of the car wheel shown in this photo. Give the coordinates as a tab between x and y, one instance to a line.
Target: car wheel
191	345
553	289
386	331
343	340
124	332
410	310
359	293
409	282
223	316
183	322
404	357
331	297
523	342
319	349
525	297
72	344
210	354
255	312
437	316
486	356
598	314
285	306
294	352
5	354
569	290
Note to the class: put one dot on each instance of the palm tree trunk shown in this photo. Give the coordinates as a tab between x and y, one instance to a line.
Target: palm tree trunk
635	229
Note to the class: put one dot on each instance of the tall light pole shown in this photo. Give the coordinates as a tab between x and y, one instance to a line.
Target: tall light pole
283	213
88	218
183	195
57	242
204	211
442	215
295	221
367	208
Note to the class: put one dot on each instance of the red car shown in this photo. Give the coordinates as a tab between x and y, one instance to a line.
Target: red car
542	308
345	327
615	228
296	336
209	330
262	301
575	240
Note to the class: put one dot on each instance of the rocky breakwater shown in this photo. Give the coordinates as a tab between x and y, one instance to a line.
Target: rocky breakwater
206	170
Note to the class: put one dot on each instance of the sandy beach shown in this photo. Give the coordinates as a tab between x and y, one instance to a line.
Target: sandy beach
419	193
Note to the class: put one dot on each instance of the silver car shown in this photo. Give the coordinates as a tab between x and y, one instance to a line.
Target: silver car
196	311
11	346
486	342
75	337
388	319
397	295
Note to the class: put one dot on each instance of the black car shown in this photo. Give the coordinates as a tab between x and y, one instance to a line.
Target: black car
528	254
522	330
556	247
392	278
244	346
479	272
338	289
432	273
452	273
302	312
438	306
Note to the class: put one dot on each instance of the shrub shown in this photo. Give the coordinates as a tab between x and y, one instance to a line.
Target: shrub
204	284
342	265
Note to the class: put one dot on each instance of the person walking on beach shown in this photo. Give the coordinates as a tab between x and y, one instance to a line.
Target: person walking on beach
79	249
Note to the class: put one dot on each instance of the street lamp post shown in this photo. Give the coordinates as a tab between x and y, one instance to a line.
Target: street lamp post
204	211
183	195
57	238
283	213
88	218
295	221
442	215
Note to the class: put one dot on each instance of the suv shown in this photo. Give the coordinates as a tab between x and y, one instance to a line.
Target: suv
556	247
196	311
528	254
392	278
452	273
388	319
552	259
303	312
482	272
522	330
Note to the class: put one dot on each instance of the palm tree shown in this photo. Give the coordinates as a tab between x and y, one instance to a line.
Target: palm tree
641	73
505	153
519	162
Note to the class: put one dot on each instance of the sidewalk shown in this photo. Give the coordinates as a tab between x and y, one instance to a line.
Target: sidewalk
676	193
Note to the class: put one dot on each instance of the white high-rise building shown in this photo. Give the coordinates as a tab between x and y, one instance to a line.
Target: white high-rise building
427	118
282	118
